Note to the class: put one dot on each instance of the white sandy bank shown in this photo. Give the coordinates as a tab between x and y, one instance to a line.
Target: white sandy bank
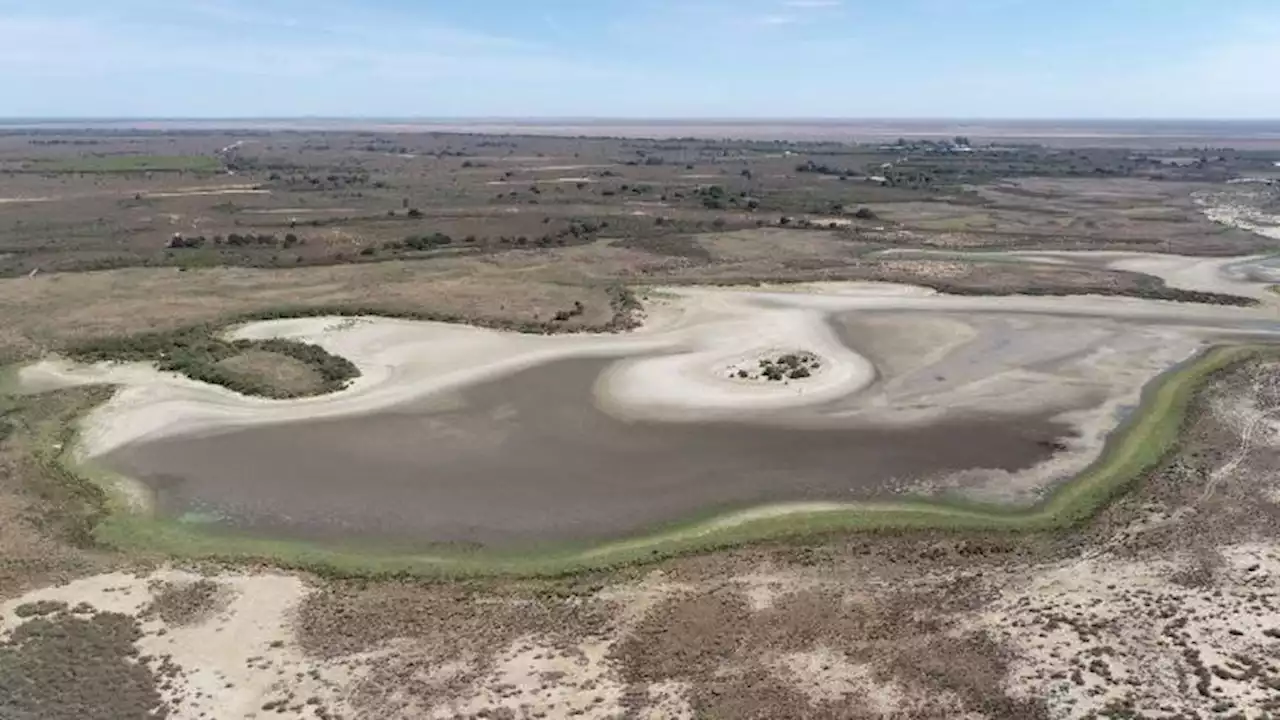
1245	276
674	368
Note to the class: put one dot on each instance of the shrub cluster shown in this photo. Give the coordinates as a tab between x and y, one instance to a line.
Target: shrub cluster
565	315
197	353
178	241
791	365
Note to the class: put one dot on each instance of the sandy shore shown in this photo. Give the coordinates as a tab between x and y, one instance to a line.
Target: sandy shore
1246	276
675	368
1083	360
1230	276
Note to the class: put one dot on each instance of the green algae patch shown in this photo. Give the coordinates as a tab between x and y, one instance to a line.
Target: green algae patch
1135	448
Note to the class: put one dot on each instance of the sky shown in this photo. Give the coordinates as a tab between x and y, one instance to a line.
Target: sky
641	58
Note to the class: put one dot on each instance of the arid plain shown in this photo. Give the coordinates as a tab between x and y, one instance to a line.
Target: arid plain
797	429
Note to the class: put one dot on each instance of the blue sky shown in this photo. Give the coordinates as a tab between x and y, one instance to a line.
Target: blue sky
641	58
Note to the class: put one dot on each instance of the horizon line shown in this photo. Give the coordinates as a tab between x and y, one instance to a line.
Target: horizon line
624	118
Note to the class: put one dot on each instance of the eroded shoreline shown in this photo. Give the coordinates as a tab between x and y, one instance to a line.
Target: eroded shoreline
676	369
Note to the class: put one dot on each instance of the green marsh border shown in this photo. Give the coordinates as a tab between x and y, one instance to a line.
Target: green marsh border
1141	442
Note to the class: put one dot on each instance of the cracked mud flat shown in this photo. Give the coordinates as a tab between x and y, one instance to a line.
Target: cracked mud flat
458	434
1164	607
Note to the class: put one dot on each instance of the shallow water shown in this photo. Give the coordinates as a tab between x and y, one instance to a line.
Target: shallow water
531	458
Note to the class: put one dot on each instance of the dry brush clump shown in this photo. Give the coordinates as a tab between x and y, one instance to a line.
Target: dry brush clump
51	501
47	515
78	664
787	366
1167	606
199	353
427	643
899	652
187	603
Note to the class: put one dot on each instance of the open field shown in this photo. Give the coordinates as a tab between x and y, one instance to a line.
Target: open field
126	164
1080	133
281	200
383	423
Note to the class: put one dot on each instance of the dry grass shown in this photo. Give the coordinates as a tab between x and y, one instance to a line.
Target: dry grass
771	244
519	288
45	515
289	376
49	311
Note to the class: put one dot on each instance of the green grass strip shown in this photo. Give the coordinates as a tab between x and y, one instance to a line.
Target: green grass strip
1135	448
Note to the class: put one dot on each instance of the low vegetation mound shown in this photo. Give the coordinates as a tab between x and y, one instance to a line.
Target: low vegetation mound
272	368
787	366
287	374
283	369
78	664
181	604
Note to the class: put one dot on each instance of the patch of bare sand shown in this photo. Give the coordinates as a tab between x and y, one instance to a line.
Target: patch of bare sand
531	678
239	189
1239	209
197	191
20	200
1246	276
831	222
1085	358
1098	634
563	168
1085	635
241	661
826	676
1230	276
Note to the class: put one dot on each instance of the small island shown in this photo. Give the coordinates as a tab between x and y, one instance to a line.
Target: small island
787	366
